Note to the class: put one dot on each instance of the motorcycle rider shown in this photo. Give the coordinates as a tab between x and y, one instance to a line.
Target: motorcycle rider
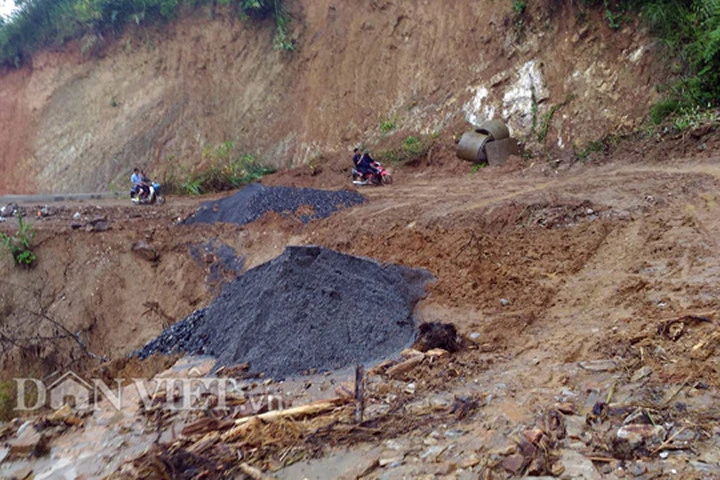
140	186
356	158
366	165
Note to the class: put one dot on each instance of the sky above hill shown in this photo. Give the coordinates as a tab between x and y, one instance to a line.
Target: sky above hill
6	7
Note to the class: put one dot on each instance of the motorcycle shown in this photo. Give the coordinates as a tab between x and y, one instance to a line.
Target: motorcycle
154	195
379	177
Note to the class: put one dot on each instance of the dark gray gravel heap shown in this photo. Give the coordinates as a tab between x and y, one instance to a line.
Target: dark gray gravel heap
308	308
253	201
221	259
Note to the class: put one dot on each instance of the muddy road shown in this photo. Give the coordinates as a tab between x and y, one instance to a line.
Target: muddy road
563	285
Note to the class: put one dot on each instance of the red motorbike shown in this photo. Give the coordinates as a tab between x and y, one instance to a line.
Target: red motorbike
379	176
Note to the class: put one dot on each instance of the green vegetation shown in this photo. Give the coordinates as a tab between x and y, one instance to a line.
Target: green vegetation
224	168
411	149
7	395
477	167
20	244
8	398
546	118
519	18
690	29
42	23
604	145
387	126
519	6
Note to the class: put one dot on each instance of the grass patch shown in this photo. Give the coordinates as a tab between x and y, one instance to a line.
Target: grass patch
226	168
20	245
387	126
410	150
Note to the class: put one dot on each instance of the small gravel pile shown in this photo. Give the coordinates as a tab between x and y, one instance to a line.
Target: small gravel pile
253	201
308	308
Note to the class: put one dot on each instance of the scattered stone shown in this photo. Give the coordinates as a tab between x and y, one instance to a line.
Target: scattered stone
566	407
470	461
534	435
99	227
60	414
713	470
29	442
527	449
9	210
637	469
145	251
505	451
440	402
638	415
598	365
577	466
640	374
410	388
515	464
394	461
575	426
504	302
630	438
433	453
434	335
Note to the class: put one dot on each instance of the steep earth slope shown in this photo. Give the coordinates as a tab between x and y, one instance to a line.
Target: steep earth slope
79	117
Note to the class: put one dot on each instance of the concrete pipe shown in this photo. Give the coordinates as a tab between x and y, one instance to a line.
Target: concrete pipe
495	129
472	147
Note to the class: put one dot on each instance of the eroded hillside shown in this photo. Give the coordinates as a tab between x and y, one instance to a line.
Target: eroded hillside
78	118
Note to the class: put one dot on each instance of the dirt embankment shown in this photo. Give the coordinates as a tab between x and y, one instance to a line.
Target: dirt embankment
78	118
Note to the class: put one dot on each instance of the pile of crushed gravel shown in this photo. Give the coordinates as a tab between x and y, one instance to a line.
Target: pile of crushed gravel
308	308
253	201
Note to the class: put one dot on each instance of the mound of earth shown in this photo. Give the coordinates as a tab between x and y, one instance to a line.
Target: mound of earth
255	200
308	308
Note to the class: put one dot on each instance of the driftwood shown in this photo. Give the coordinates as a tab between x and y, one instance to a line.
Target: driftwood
405	366
359	393
294	413
253	472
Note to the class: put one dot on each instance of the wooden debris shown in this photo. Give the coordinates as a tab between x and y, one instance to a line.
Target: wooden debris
253	472
405	366
410	352
675	328
706	347
437	352
199	426
205	443
359	393
295	413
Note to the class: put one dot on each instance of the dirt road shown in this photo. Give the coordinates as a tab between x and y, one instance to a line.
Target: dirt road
559	281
